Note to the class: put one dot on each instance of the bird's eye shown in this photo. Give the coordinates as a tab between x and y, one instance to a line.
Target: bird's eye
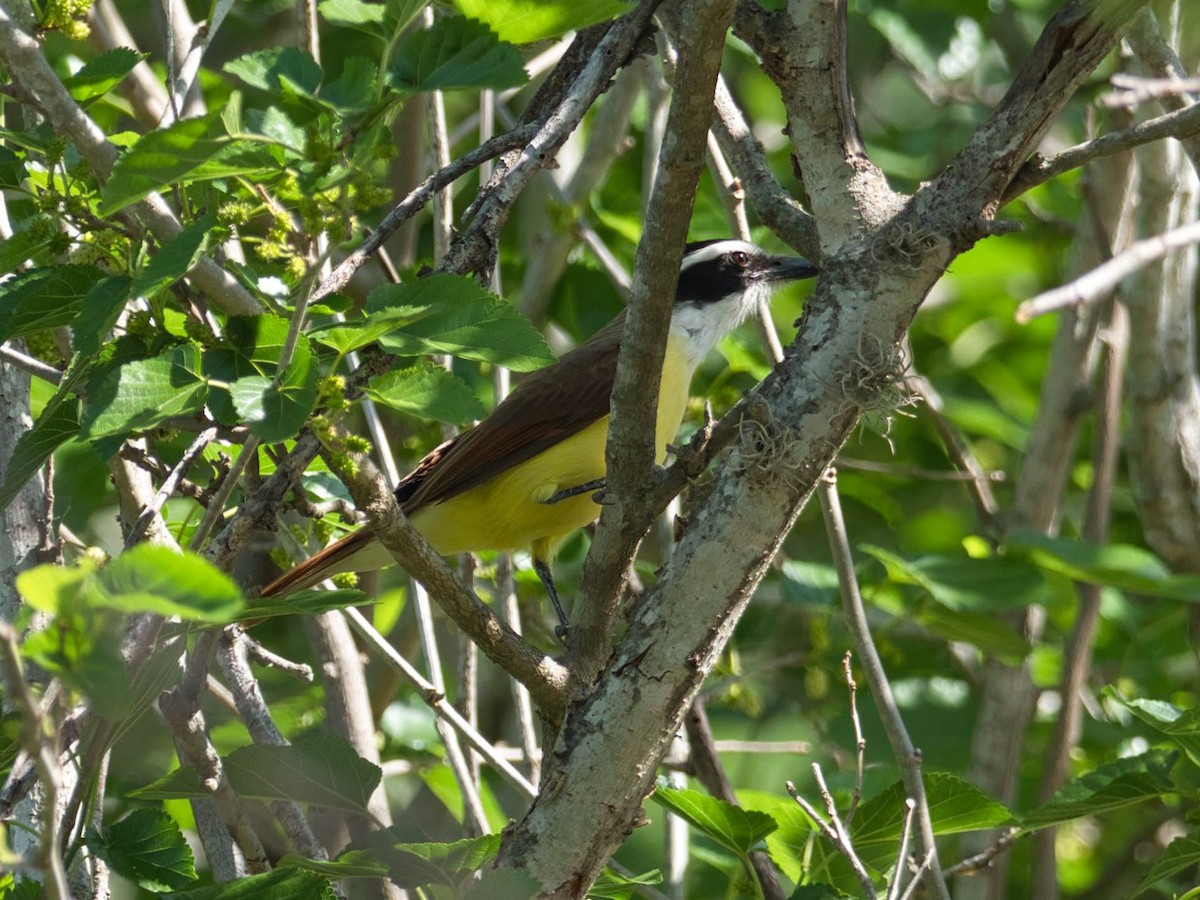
740	258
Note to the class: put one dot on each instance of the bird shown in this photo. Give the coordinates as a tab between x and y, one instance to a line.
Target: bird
532	472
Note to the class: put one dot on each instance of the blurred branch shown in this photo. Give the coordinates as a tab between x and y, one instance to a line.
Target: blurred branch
142	88
1077	655
907	756
1102	280
1040	169
36	739
30	364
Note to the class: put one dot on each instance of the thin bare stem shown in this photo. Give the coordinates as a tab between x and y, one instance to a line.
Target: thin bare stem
906	754
169	484
860	742
29	364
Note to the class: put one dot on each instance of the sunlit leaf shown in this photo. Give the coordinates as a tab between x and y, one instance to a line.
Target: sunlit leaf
456	53
146	847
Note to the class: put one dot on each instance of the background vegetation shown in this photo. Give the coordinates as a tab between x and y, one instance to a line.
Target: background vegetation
253	155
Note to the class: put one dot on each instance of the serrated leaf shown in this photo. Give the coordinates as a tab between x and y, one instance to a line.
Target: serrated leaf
1119	565
141	394
525	21
965	584
83	649
180	784
55	426
173	260
275	411
427	392
354	90
1182	726
456	53
737	830
460	318
102	307
1112	786
307	603
268	69
99	76
1181	854
51	589
155	579
955	806
43	298
148	848
281	884
181	154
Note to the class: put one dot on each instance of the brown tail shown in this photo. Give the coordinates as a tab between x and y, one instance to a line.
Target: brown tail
333	560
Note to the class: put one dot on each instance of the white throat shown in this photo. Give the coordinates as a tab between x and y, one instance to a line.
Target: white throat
701	326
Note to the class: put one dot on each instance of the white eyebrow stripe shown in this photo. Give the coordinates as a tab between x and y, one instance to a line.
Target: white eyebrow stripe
714	251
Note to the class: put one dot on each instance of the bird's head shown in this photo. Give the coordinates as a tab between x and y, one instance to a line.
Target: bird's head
720	283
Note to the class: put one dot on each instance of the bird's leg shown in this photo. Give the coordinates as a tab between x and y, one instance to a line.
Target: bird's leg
543	572
568	493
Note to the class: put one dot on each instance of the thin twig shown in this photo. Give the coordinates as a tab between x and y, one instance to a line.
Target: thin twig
437	701
30	364
902	854
168	486
1100	281
906	754
860	742
833	835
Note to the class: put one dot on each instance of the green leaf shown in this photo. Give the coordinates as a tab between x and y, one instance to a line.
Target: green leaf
366	17
57	424
43	298
306	603
322	770
181	154
456	53
1181	854
276	411
254	345
22	246
173	260
155	579
141	394
983	631
1182	726
52	589
268	69
615	886
427	392
955	806
1113	786
818	892
737	830
82	648
351	864
460	318
526	21
281	884
965	584
99	76
413	865
12	169
1120	565
102	306
354	90
148	848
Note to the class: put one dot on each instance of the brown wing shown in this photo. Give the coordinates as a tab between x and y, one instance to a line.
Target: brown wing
551	404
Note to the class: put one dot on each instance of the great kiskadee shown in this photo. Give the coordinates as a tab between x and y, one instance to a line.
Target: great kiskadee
527	475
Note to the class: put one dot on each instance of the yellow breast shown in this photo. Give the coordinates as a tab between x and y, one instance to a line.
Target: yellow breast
509	512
